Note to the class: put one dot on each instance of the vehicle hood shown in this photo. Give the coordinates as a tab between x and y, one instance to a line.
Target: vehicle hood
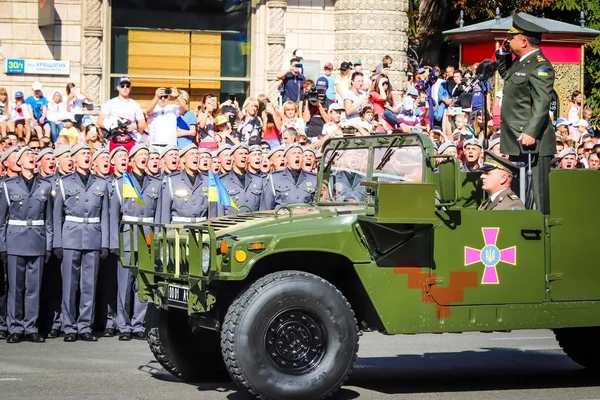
278	222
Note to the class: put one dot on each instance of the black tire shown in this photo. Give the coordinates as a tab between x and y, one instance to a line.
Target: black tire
190	356
580	345
290	315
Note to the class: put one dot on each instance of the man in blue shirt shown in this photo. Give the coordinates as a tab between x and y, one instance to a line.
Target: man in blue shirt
292	81
39	107
330	93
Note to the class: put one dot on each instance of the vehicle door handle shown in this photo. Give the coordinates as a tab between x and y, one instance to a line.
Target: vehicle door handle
531	234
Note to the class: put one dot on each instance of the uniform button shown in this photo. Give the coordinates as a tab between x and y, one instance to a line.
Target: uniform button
86	200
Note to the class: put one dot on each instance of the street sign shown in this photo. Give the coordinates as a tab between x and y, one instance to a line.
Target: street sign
37	67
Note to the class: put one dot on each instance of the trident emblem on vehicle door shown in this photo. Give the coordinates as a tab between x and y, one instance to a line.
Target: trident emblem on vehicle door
490	255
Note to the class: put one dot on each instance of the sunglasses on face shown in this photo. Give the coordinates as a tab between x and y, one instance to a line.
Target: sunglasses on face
302	143
125	85
163	97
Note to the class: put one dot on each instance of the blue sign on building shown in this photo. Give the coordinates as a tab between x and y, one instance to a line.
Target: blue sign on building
15	66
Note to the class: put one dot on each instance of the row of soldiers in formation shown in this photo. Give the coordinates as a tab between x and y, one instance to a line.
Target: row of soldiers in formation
62	207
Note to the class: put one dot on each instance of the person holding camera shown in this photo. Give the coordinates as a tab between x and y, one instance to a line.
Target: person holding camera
163	116
315	109
292	81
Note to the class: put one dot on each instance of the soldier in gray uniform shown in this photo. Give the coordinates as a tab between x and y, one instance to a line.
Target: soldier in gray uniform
277	159
170	160
129	210
153	164
46	163
225	160
255	159
49	320
290	186
64	162
184	196
81	238
25	244
108	274
244	188
344	184
11	170
101	163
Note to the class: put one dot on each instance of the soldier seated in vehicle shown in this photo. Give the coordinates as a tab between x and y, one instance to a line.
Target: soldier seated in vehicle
496	179
351	170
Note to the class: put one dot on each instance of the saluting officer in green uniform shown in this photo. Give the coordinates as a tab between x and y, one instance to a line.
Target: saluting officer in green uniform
496	180
528	83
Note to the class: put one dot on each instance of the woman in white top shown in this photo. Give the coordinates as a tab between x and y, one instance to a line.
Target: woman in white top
75	101
56	113
355	99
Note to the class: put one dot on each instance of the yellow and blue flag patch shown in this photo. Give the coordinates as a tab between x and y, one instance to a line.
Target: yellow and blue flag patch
218	193
542	72
130	191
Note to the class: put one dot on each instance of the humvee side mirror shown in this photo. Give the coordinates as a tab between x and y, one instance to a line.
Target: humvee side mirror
448	188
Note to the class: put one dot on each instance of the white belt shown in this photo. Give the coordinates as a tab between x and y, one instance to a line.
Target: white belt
93	220
29	222
192	220
130	218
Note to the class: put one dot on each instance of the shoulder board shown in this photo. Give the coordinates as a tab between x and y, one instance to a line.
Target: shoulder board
99	177
173	175
540	58
513	196
10	178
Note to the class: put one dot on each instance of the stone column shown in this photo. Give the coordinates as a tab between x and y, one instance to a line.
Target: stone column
92	22
371	29
275	43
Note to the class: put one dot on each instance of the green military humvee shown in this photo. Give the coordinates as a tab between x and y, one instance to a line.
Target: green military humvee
394	244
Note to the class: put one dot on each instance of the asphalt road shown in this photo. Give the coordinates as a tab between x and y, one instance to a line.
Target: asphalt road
519	365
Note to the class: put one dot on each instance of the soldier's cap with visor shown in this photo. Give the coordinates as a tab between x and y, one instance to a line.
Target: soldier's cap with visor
98	153
239	146
153	150
116	150
255	148
493	143
7	153
22	151
445	146
204	150
222	149
78	147
136	148
167	149
291	146
275	150
187	148
567	151
213	154
43	152
61	150
309	150
472	142
526	25
492	161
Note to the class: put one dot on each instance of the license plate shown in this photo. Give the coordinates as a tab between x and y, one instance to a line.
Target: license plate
177	295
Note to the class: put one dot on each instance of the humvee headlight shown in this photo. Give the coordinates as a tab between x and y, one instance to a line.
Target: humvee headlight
240	256
205	258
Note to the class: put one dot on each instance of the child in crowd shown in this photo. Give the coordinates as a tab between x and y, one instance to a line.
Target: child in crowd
69	130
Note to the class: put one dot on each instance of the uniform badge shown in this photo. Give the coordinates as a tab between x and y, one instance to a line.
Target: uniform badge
542	72
520	74
204	190
309	186
53	193
181	193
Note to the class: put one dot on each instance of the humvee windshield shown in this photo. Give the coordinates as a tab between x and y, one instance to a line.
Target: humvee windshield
347	168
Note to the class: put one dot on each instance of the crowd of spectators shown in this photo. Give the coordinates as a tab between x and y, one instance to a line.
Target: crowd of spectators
446	105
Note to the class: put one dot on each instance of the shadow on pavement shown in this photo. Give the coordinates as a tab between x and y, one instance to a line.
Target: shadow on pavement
488	369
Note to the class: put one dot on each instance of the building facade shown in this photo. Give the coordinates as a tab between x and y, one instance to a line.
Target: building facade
204	46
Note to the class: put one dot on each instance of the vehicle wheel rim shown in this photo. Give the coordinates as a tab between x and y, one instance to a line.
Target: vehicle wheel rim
295	341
